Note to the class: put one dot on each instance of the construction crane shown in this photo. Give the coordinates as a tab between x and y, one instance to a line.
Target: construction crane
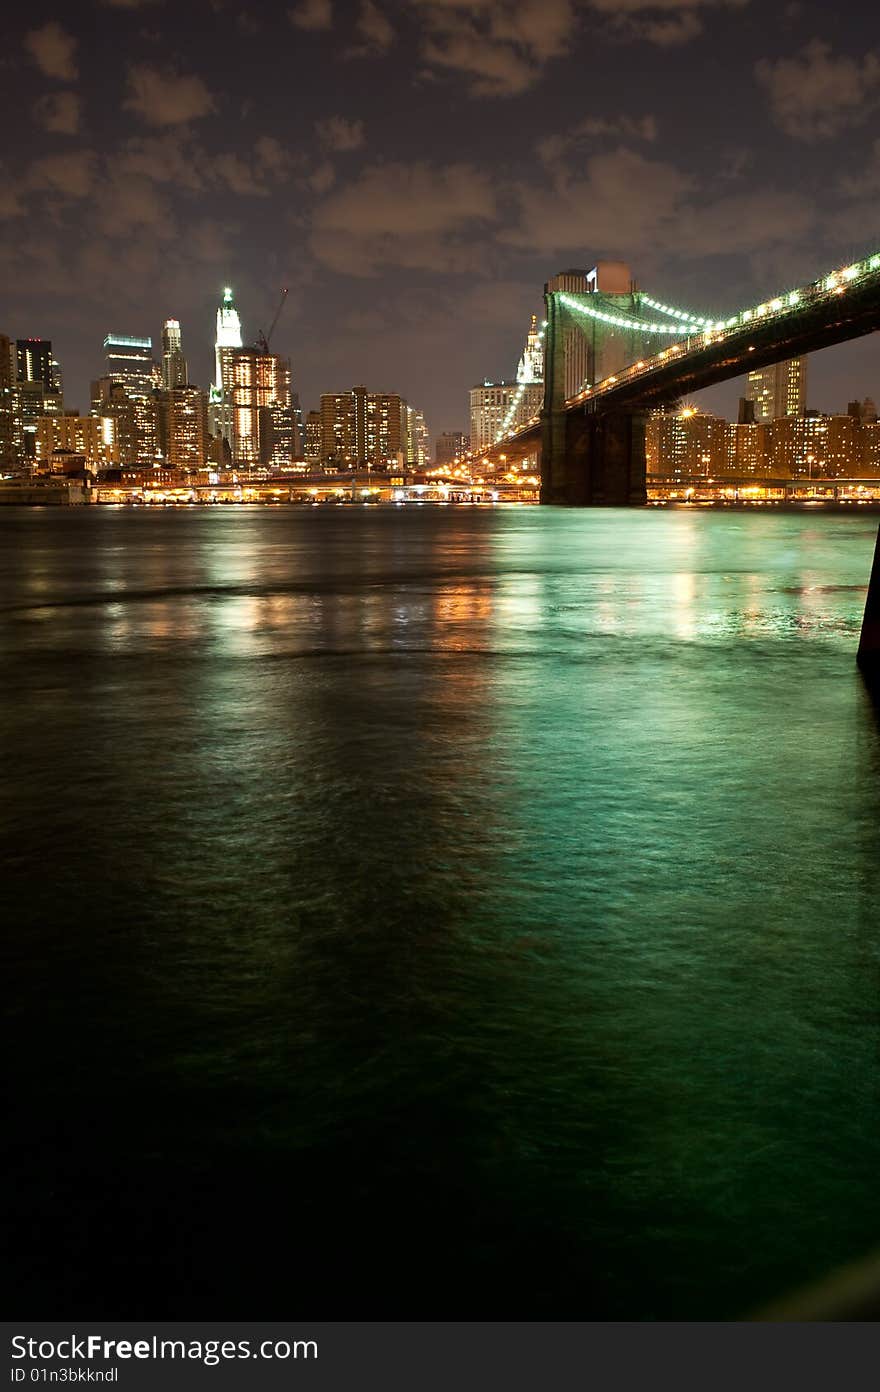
264	339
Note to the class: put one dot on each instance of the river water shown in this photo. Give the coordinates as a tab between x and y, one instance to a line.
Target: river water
437	912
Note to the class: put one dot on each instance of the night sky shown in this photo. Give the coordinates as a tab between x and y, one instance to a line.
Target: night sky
414	170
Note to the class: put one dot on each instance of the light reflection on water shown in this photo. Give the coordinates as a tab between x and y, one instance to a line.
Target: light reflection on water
492	889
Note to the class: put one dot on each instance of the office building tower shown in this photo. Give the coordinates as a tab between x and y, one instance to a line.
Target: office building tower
173	362
312	441
35	363
531	364
182	415
226	342
256	394
451	448
8	405
779	390
360	427
129	360
496	408
417	447
84	436
686	443
114	406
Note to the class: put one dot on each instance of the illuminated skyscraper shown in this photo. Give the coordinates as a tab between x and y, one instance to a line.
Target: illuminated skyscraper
257	397
37	392
531	364
360	427
8	451
779	390
227	341
130	361
173	361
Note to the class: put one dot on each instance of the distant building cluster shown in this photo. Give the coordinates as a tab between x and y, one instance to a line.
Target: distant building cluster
146	416
775	436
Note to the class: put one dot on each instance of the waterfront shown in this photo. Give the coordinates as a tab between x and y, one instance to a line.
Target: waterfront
442	913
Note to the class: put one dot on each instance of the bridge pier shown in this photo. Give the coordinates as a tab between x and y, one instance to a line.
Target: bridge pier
593	459
869	644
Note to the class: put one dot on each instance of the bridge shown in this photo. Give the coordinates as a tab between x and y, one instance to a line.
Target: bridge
637	353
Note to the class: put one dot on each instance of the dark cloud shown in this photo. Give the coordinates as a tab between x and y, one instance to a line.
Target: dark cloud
163	97
58	112
53	50
816	94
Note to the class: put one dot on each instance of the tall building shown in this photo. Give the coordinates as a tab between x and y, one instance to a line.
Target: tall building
183	427
37	393
686	443
451	447
779	390
72	434
257	392
865	411
129	360
34	362
531	364
417	448
111	402
8	405
173	361
312	438
227	340
360	427
498	407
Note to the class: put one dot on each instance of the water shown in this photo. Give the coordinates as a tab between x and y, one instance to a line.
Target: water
438	913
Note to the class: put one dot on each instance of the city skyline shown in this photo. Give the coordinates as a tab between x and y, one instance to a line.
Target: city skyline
424	243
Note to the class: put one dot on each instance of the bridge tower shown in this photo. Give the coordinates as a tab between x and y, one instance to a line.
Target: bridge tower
592	458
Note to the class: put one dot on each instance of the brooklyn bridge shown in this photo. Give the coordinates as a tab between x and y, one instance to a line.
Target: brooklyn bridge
612	353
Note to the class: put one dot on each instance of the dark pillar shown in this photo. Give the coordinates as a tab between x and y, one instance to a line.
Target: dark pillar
594	459
869	644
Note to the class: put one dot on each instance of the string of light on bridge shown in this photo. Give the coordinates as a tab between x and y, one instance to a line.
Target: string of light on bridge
621	321
681	314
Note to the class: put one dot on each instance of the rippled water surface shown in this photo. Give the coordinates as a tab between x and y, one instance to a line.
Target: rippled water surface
444	913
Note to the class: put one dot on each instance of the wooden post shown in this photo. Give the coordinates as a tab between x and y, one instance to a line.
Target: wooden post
869	644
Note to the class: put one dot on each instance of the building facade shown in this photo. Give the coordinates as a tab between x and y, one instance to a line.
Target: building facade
361	427
174	373
451	447
778	390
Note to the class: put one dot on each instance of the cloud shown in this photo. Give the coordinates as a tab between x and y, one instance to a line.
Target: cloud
272	158
409	216
661	22
58	111
128	201
165	97
11	205
322	179
814	95
374	29
554	148
53	50
500	46
72	175
312	15
336	133
626	205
